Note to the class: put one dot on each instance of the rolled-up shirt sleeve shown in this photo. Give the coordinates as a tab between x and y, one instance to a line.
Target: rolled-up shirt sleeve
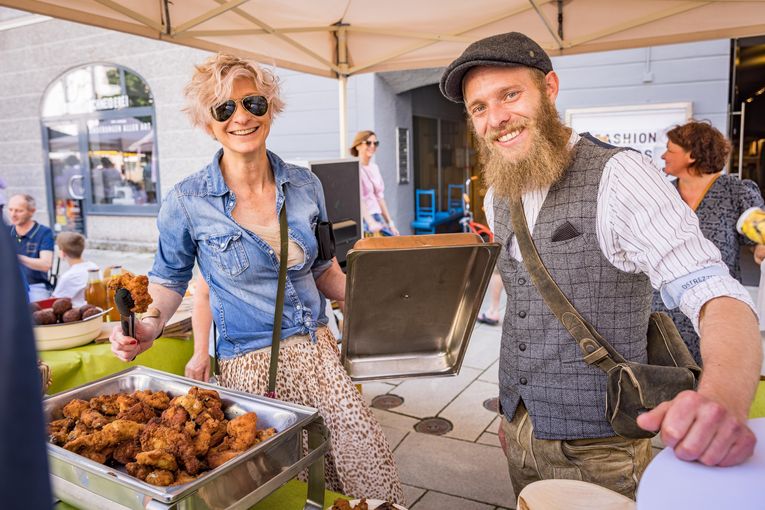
177	249
644	226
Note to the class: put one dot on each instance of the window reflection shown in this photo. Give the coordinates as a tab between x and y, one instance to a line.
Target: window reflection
121	160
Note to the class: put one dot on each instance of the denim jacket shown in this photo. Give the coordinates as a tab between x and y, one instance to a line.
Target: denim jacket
195	223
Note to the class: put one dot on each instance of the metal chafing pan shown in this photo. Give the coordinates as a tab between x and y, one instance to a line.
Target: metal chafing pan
411	304
239	483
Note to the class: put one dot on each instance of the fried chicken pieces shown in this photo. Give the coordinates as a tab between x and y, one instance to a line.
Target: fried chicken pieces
137	285
161	440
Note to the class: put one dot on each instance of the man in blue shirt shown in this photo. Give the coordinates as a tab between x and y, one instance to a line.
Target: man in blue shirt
34	245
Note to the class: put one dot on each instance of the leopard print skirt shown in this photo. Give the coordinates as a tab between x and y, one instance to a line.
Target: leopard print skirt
360	463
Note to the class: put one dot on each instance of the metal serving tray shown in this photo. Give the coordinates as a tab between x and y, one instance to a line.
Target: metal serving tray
411	304
239	483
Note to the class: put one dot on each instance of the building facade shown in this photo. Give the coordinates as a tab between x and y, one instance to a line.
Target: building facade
92	123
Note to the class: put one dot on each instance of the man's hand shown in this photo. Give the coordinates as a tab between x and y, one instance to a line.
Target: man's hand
127	348
759	253
702	429
198	367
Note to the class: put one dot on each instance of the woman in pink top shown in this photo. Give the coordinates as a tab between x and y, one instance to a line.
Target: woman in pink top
373	206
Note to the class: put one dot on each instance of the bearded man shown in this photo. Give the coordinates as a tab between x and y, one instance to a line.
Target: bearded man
608	227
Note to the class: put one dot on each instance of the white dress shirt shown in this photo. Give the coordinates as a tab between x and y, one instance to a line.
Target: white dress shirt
643	226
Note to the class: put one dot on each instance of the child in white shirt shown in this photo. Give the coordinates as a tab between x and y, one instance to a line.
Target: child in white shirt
72	283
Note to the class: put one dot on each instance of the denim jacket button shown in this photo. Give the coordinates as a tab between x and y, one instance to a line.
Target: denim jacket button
298	307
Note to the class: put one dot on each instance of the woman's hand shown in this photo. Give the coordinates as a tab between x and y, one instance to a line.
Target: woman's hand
127	348
198	367
759	253
394	229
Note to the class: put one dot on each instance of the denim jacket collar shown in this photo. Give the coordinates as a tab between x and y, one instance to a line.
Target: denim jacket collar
216	185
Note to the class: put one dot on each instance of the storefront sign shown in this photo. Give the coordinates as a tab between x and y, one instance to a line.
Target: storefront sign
109	103
642	127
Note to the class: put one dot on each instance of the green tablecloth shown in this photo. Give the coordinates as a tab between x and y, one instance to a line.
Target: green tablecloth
79	365
290	496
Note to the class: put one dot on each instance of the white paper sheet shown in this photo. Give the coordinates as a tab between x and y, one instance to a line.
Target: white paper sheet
672	484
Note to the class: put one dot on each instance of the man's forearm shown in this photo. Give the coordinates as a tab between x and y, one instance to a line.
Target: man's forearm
39	264
731	350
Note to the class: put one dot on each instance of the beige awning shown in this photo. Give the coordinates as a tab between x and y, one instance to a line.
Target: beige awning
345	37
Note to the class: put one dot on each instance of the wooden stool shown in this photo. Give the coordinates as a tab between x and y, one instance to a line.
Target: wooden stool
571	495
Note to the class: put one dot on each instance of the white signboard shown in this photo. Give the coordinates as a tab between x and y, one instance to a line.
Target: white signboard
642	127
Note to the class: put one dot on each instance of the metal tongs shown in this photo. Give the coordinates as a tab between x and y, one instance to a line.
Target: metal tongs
124	303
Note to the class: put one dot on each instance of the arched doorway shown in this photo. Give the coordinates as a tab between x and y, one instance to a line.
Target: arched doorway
100	145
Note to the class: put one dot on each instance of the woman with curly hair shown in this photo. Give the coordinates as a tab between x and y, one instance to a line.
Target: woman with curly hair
696	154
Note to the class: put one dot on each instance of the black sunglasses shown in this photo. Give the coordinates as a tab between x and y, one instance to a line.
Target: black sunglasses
369	143
256	105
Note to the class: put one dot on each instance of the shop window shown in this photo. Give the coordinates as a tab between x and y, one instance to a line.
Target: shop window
100	140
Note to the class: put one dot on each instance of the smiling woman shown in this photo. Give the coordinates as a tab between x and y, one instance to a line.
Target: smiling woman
229	219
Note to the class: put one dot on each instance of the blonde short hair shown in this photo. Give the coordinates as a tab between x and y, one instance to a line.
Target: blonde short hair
213	81
71	243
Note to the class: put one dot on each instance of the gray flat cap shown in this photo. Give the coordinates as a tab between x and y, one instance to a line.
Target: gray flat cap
504	50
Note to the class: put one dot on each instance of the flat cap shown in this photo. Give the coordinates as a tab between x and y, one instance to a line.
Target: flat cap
505	50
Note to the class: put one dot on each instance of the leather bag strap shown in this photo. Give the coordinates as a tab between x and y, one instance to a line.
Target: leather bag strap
595	349
279	307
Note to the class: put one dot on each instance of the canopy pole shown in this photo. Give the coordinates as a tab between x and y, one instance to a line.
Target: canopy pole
342	80
342	84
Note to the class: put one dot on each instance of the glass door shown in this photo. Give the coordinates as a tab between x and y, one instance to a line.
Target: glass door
67	171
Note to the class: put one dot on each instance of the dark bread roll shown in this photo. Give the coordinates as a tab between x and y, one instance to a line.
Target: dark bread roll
62	305
42	317
72	315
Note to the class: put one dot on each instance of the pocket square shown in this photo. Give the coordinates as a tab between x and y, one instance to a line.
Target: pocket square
565	232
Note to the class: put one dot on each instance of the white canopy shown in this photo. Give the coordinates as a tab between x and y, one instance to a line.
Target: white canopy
345	37
339	38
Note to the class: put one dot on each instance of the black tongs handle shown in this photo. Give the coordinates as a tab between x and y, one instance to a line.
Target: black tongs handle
124	302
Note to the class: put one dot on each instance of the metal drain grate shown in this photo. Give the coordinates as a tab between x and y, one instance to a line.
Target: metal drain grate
387	401
436	426
492	404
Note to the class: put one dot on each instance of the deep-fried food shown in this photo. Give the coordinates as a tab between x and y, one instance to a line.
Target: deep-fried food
126	451
221	454
161	459
174	417
160	440
93	419
190	403
156	399
59	430
111	435
105	404
183	477
160	477
341	504
243	432
74	408
137	285
139	412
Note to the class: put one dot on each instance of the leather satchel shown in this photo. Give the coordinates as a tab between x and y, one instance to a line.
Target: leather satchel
632	388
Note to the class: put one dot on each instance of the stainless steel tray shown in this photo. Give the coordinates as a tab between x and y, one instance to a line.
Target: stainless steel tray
239	483
411	304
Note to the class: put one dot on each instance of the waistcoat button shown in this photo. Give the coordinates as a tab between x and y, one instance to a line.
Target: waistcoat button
522	347
523	380
521	281
522	315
